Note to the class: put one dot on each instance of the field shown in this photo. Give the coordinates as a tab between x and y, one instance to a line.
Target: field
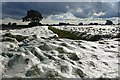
60	52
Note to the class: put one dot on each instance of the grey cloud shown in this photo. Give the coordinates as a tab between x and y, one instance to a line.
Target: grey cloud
95	7
19	9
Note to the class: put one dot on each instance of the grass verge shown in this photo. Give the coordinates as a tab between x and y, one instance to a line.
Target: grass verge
64	34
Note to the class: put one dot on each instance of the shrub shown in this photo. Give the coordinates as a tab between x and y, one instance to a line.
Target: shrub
108	22
80	24
9	24
14	24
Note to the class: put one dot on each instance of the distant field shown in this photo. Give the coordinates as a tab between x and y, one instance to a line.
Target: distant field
89	33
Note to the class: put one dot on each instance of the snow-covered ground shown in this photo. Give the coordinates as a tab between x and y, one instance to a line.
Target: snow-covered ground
38	52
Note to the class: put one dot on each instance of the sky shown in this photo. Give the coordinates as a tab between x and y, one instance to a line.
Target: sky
60	0
59	10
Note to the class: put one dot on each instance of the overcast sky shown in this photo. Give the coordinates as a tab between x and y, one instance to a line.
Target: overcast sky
78	9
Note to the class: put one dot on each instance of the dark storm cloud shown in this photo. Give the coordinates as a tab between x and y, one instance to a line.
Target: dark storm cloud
79	9
0	10
20	8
